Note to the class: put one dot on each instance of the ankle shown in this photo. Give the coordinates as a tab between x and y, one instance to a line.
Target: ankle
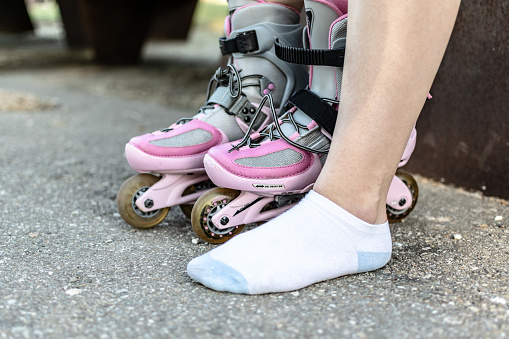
367	206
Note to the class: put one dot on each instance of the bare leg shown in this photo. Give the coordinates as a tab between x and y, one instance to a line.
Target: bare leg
394	49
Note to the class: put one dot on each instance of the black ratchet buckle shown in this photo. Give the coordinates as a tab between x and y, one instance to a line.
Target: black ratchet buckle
243	43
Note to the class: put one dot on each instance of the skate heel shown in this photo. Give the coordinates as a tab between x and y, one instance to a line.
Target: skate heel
409	149
404	191
402	196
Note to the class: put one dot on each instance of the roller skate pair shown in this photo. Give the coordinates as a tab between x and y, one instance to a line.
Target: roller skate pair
170	161
280	156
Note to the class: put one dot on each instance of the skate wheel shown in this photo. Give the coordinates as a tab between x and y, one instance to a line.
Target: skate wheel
201	186
394	215
205	208
129	192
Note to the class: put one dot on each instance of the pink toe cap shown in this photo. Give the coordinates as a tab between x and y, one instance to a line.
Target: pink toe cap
274	163
193	138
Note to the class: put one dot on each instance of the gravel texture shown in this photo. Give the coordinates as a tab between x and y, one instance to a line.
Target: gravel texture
70	267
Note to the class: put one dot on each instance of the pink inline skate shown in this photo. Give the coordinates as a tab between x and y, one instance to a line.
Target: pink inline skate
268	172
171	160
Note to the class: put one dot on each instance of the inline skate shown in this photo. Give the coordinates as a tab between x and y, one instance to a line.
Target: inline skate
269	171
170	161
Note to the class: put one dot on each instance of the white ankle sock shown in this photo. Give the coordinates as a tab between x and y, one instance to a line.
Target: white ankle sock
314	241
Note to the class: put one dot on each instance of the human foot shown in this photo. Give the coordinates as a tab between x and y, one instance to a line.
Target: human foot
314	241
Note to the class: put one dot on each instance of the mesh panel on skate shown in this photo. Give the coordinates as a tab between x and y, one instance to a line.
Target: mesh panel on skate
314	139
339	31
194	137
225	122
263	13
323	158
339	79
277	159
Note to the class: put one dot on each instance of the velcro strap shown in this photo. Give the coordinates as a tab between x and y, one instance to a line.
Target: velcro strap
243	43
317	109
221	96
320	57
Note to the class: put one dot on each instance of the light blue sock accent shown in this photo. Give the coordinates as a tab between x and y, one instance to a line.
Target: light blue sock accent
370	261
216	275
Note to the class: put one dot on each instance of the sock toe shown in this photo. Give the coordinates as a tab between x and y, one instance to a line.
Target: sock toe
216	275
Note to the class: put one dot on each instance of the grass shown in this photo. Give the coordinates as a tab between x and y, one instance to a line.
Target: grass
44	12
210	15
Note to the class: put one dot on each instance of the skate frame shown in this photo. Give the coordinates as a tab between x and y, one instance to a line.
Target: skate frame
169	189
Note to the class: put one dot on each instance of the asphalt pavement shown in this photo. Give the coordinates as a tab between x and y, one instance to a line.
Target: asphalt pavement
70	267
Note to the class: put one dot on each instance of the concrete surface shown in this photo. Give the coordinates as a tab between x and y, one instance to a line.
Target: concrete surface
71	268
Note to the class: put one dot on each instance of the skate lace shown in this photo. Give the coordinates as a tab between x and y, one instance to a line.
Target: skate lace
226	77
222	77
270	131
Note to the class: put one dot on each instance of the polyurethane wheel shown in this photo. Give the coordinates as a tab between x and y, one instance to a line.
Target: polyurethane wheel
394	215
205	208
129	192
187	209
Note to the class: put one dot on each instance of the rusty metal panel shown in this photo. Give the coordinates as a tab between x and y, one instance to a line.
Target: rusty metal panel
173	20
73	23
117	29
464	130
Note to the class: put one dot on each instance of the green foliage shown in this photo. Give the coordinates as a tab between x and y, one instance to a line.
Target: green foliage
45	11
210	15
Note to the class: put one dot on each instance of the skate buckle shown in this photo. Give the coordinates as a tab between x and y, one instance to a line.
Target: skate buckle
320	57
243	43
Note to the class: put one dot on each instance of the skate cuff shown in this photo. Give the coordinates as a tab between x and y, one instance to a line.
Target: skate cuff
243	43
317	109
320	57
241	106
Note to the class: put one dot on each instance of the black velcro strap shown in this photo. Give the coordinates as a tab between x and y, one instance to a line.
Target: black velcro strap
317	109
242	43
319	57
